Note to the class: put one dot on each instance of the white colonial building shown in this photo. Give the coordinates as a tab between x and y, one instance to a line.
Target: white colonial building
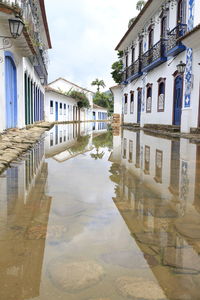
154	89
24	41
100	113
60	107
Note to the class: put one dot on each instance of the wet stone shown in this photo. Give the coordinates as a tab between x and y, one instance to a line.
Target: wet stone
99	299
75	276
186	260
139	288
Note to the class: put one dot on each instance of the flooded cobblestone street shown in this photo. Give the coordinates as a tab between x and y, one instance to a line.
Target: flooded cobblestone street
91	215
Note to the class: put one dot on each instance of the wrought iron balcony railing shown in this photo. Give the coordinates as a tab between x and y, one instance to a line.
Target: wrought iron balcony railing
132	70
155	54
29	12
174	35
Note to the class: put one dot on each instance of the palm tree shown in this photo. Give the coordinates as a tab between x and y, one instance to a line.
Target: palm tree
140	4
98	83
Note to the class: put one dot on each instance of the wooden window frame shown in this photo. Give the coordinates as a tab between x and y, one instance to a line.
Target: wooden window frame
178	11
132	54
149	86
150	35
161	81
126	104
132	94
51	107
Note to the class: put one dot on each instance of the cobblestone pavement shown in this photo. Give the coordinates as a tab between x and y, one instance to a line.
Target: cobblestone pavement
14	142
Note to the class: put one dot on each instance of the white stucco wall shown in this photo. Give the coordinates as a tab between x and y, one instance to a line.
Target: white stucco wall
166	70
98	113
66	86
117	93
55	97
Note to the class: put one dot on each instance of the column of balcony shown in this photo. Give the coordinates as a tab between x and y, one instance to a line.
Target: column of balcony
154	56
132	72
174	46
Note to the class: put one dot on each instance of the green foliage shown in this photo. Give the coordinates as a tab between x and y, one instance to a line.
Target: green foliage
105	100
117	68
80	145
140	4
81	98
98	83
103	140
131	22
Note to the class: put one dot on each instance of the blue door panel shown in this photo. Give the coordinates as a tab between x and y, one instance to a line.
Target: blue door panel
56	111
178	94
11	92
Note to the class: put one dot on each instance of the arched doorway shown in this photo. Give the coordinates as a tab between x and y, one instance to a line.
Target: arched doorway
178	96
11	91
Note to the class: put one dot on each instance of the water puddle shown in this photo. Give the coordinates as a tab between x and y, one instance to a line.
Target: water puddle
87	215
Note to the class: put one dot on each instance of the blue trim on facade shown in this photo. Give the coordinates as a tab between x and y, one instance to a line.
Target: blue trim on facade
189	57
154	64
135	76
176	50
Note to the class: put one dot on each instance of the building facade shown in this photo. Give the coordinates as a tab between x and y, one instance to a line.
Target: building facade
154	90
100	113
59	107
23	63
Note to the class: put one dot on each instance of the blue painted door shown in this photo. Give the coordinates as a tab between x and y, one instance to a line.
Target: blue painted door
56	111
11	93
178	94
139	106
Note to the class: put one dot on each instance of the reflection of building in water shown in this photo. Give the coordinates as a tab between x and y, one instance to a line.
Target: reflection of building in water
24	212
68	140
157	194
99	126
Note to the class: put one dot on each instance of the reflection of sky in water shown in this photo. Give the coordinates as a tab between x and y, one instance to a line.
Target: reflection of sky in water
122	218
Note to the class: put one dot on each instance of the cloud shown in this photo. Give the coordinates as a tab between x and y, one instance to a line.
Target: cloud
84	34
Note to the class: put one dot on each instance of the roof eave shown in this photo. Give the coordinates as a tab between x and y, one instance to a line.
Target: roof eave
134	23
44	16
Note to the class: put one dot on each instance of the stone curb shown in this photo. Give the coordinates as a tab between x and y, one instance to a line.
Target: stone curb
15	142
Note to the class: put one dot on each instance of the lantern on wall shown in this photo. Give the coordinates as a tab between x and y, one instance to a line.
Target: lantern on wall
16	26
181	67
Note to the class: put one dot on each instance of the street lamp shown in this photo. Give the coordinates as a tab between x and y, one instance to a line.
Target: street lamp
181	67
42	80
16	26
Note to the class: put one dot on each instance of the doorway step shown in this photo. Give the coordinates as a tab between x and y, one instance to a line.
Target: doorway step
195	130
161	127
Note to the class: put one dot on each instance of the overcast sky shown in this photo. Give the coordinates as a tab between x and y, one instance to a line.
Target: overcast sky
84	34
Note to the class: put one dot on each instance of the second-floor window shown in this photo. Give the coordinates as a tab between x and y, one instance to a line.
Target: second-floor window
163	33
132	102
125	104
132	55
151	36
126	61
60	108
140	47
181	13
